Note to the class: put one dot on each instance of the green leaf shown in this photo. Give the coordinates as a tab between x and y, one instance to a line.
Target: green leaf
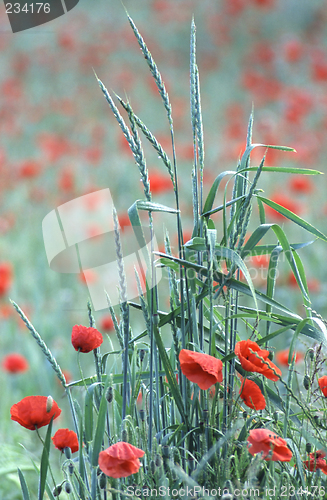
292	262
100	427
170	374
88	412
289	170
293	217
23	485
214	188
154	207
173	262
272	274
115	378
255	237
45	461
229	254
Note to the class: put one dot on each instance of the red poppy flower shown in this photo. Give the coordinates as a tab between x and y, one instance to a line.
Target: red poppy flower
120	460
282	357
34	411
266	441
323	385
65	438
316	461
251	395
247	352
86	339
5	277
14	363
202	369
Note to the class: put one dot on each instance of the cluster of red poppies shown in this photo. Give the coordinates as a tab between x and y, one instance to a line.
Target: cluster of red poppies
122	459
33	412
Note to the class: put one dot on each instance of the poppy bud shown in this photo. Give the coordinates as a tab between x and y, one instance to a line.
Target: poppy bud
308	447
310	354
71	469
68	487
152	467
245	414
165	451
102	481
109	394
142	354
228	487
49	404
57	490
227	496
68	452
158	460
142	415
306	382
124	435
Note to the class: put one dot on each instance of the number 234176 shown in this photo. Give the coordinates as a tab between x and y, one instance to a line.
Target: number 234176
287	491
33	8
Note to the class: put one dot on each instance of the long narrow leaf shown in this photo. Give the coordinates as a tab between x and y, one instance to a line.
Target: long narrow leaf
293	217
45	461
23	485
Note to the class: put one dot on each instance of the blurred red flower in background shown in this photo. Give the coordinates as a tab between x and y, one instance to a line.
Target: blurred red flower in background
264	440
202	369
293	50
106	323
159	182
66	180
322	381
29	168
6	275
54	146
34	411
15	363
246	351
85	339
120	460
301	184
286	202
252	396
282	357
64	438
316	461
260	260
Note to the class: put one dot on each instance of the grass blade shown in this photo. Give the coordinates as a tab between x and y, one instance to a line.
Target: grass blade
23	485
45	461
